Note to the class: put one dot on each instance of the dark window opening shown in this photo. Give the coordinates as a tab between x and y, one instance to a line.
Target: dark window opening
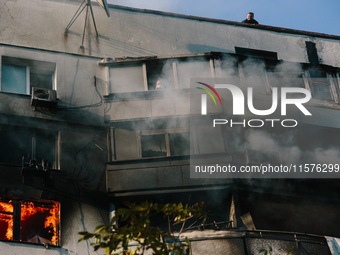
32	144
179	144
159	75
165	144
256	53
153	146
312	53
30	221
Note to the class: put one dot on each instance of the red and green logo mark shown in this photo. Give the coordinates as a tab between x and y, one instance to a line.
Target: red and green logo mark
209	93
204	97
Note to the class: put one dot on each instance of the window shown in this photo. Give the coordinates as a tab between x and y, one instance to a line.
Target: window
153	146
160	74
324	86
163	144
256	53
20	75
29	221
179	143
32	144
334	79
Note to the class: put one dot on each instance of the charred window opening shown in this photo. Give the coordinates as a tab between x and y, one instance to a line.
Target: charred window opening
179	144
256	53
153	146
159	74
312	53
32	144
163	144
30	221
20	75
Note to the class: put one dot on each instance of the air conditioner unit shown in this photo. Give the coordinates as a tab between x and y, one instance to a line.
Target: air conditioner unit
42	97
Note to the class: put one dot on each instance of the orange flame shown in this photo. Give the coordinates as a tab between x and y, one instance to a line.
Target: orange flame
51	221
48	215
7	207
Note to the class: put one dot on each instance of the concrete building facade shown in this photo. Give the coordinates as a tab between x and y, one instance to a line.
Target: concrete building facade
88	122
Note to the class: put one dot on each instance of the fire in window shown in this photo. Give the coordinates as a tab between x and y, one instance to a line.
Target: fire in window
30	221
160	75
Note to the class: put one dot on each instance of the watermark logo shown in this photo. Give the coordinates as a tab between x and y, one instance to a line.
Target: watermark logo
292	96
239	99
204	97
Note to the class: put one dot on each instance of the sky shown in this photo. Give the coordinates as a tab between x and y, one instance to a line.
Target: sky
308	15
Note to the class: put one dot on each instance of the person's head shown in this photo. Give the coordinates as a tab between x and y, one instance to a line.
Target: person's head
250	16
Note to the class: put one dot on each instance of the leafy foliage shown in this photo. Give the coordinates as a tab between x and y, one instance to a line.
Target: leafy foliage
135	228
266	252
270	250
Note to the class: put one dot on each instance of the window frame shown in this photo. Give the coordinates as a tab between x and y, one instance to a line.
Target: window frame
48	68
35	134
17	217
332	79
166	134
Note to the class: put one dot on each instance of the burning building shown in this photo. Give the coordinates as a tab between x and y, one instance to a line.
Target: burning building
96	116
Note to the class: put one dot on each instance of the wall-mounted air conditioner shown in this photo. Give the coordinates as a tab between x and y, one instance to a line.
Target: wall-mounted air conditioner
44	98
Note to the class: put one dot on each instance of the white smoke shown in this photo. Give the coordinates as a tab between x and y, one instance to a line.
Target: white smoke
325	156
270	145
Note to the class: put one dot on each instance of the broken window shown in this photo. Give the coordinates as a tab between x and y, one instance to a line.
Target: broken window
20	75
163	144
32	144
160	74
153	146
179	144
256	53
30	221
